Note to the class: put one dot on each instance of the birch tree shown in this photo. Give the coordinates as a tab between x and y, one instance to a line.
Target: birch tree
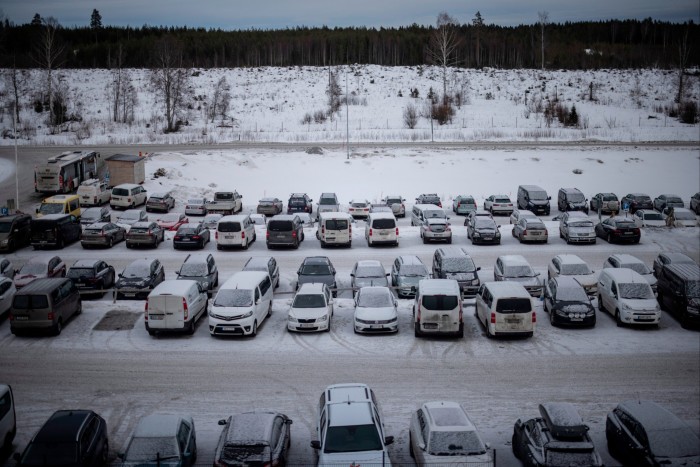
443	44
48	53
170	80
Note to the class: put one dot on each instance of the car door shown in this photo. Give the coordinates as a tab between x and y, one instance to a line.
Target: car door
550	293
90	444
423	432
480	303
187	443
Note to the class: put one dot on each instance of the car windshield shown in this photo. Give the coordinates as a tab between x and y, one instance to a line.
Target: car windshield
5	227
370	271
676	442
440	302
575	458
674	199
635	291
518	270
34	268
150	449
455	443
51	208
653	216
572	294
575	269
315	270
233	297
641	268
391	201
309	301
413	270
193	270
78	272
137	270
538	195
39	454
581	224
576	197
352	438
484	223
327	201
684	216
375	298
458	264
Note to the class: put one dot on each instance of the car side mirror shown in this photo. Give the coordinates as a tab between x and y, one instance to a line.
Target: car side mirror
37	210
537	274
222	422
478	268
352	275
549	198
315	444
389	440
421	446
120	275
288	421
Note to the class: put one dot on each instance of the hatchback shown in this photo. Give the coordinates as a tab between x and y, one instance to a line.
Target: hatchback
618	229
359	208
518	214
436	230
92	274
196	207
567	302
68	437
160	202
462	204
172	220
200	267
368	272
530	230
146	234
635	201
269	206
252	439
648	218
375	310
317	269
311	310
191	236
139	278
103	234
161	439
664	201
483	230
576	227
98	214
132	216
498	204
38	268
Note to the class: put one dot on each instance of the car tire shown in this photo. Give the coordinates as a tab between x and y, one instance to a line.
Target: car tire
449	241
245	247
609	238
552	321
425	240
618	320
219	247
328	329
190	327
410	446
255	329
323	244
79	310
104	454
58	327
110	243
151	332
269	310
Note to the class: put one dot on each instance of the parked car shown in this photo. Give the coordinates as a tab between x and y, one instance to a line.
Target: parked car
368	272
127	195
96	214
607	202
44	305
576	227
317	269
54	231
175	306
483	230
628	297
131	216
254	438
557	438
359	208
7	293
618	229
518	214
669	257
624	260
103	234
429	198
235	230
477	213
311	309
7	269
679	217
567	303
572	266
375	310
14	231
284	230
166	437
211	221
172	221
139	278
241	304
695	203
438	309
304	217
406	272
160	202
334	228
39	267
191	235
678	292
396	203
380	208
299	202
8	417
92	274
571	199
636	201
68	437
350	427
441	433
436	230
505	309
266	264
498	204
648	218
93	192
200	267
269	206
515	268
641	432
421	212
455	263
381	228
666	200
196	207
534	198
327	202
146	233
462	204
530	230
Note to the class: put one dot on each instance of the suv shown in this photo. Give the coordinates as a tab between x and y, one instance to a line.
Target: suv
406	272
635	201
328	202
14	231
515	268
284	230
455	263
557	438
299	202
350	427
679	292
571	199
395	202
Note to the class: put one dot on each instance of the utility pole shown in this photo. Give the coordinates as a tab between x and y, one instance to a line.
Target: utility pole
347	116
14	125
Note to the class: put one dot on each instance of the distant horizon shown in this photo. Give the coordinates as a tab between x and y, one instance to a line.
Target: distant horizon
230	15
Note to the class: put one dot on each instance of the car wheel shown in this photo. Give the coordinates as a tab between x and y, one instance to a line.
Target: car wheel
425	240
323	244
255	329
79	309
449	241
58	327
609	238
219	247
410	446
618	320
104	455
601	307
190	327
328	329
269	310
551	318
110	242
151	332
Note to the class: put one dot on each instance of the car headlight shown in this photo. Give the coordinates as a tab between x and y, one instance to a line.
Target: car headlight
476	234
291	319
4	242
323	318
498	234
248	315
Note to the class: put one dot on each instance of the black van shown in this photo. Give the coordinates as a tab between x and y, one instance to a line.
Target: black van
44	305
678	292
571	199
54	230
14	231
533	198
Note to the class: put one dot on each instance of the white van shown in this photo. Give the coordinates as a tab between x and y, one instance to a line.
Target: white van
241	305
421	212
627	296
334	228
8	419
505	308
381	228
93	192
438	308
127	195
175	305
235	230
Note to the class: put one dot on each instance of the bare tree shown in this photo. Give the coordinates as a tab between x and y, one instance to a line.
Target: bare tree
334	92
410	116
443	43
16	82
543	19
170	80
48	53
220	100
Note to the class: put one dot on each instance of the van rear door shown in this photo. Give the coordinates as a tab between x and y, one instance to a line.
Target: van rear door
514	315
166	312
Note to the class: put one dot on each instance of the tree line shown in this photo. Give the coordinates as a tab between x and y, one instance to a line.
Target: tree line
570	45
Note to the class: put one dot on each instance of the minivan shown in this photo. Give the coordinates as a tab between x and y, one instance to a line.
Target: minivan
437	309
334	228
14	231
127	195
8	418
54	230
678	291
59	204
381	228
455	263
627	296
235	230
421	212
45	305
241	304
93	192
284	230
571	199
175	305
533	198
505	308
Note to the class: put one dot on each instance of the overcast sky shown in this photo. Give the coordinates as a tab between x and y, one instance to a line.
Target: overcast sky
276	14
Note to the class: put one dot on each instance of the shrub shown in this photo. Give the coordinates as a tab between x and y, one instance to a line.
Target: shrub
443	112
410	116
688	112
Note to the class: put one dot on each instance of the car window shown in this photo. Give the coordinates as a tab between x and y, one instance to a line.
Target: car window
277	431
183	435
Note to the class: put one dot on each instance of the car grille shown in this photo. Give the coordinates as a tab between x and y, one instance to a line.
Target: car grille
378	321
225	318
306	321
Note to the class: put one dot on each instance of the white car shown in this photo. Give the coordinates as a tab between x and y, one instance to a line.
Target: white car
624	260
359	208
575	267
375	310
648	218
498	204
7	293
628	297
441	433
131	217
312	309
519	214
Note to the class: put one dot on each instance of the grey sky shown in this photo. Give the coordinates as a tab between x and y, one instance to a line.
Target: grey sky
275	14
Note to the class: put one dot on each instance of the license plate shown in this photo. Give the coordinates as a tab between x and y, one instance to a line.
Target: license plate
430	325
512	320
129	294
230	237
229	328
626	233
488	238
576	319
21	318
330	238
384	234
375	326
645	318
155	317
280	236
307	325
185	240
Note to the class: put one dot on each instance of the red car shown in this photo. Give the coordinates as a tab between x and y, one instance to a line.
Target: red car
172	221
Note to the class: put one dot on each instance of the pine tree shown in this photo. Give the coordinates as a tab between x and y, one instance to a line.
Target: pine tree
573	117
36	20
95	19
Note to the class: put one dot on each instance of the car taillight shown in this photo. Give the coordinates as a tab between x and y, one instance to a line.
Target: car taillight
267	234
636	231
617	231
525	232
176	237
534	317
294	234
196	237
60	181
323	230
145	311
493	318
370	232
186	310
50	315
128	200
242	234
397	231
418	316
94	199
350	230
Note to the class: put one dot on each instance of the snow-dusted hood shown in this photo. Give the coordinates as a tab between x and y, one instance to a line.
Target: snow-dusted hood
307	313
525	280
460	276
636	304
23	279
375	314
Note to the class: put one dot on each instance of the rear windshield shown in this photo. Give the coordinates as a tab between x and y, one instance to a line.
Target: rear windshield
383	224
138	230
625	224
609	197
684	216
575	269
514	305
316	270
502	200
229	227
455	443
297	202
34	268
280	226
234	297
359	205
640	268
120	192
336	224
391	201
654	216
186	231
518	271
51	208
440	302
24	302
435	214
327	201
581	224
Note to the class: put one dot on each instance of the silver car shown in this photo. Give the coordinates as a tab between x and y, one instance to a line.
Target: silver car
530	230
576	227
436	230
498	204
196	207
367	273
515	268
395	202
519	214
97	214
